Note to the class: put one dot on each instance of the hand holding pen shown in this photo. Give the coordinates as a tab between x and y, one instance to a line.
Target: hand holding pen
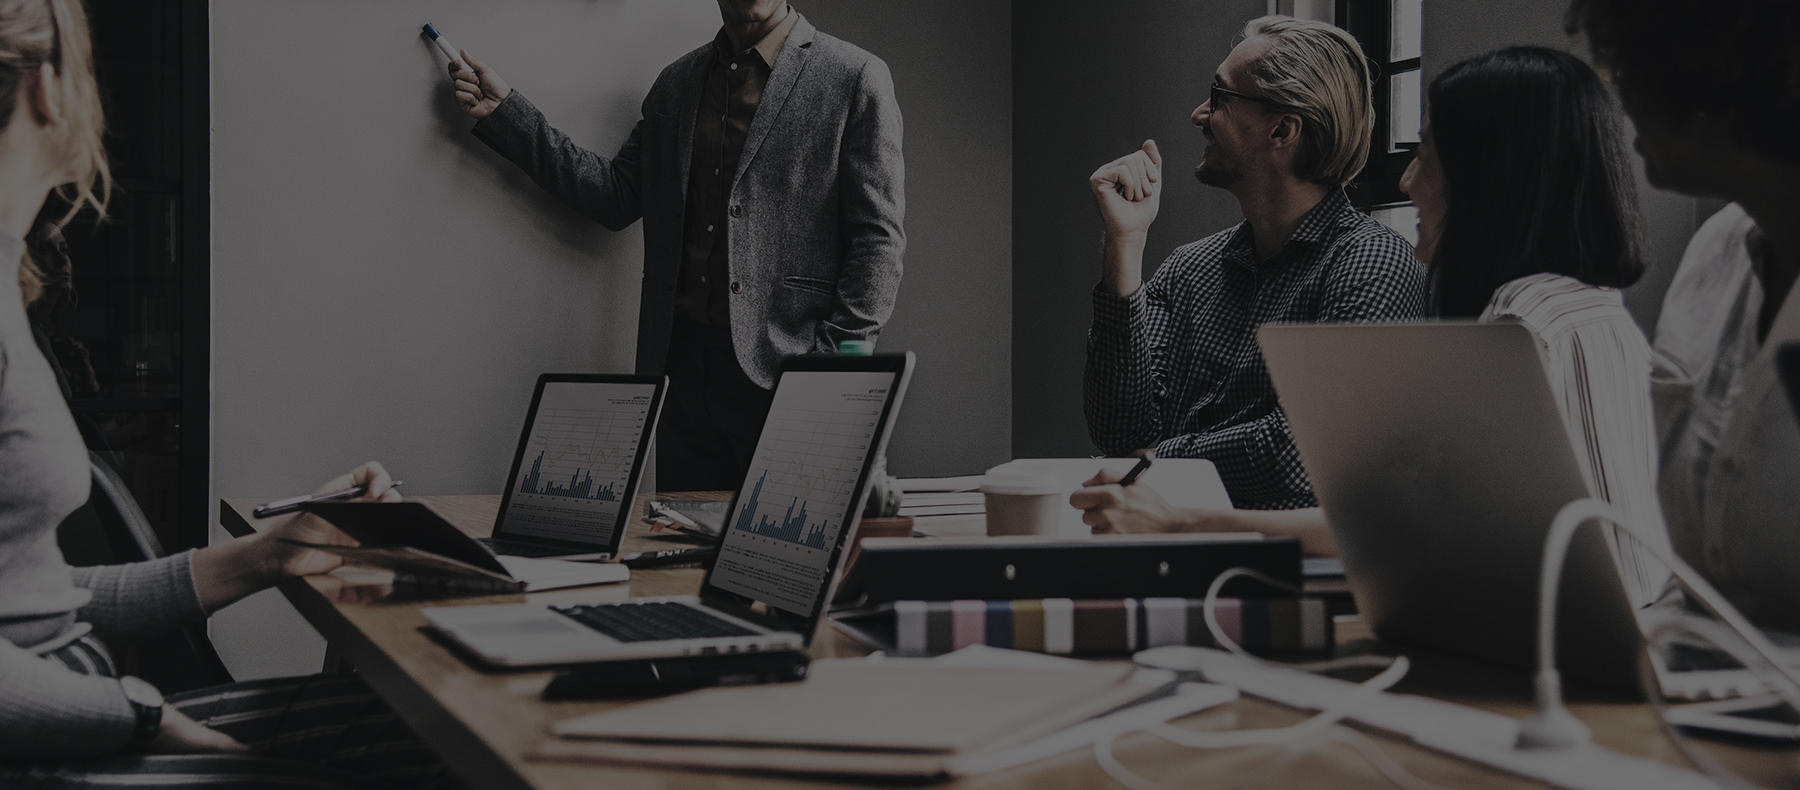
1110	502
281	558
1145	459
334	492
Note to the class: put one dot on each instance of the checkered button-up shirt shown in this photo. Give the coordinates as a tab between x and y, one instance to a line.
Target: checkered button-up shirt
1175	366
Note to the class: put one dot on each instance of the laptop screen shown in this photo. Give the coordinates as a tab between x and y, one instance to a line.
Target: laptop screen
579	459
783	534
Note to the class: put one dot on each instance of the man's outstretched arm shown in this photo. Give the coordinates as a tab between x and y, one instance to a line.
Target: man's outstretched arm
606	190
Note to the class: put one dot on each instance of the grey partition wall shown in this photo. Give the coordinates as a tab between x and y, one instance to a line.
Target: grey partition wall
1095	81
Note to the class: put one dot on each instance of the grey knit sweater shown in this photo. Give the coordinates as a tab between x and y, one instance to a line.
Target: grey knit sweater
47	711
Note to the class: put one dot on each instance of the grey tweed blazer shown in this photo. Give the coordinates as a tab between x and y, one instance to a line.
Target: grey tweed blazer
814	213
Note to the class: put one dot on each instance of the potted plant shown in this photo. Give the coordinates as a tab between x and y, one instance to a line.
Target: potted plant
881	513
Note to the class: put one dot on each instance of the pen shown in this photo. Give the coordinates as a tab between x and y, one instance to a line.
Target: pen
656	509
1142	465
663	559
281	506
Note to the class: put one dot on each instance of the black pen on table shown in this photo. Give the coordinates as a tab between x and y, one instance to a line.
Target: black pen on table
293	503
663	559
1143	464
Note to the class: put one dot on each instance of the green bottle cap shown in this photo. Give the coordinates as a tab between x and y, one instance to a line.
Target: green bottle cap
856	348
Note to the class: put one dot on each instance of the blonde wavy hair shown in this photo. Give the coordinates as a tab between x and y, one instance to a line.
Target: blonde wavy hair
35	32
1319	72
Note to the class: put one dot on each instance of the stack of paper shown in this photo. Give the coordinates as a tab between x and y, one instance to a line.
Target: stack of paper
547	574
944	504
912	485
894	718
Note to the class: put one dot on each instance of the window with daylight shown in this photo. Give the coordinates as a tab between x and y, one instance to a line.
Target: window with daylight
1392	35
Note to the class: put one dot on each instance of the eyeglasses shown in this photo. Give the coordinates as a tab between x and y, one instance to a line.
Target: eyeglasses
1218	90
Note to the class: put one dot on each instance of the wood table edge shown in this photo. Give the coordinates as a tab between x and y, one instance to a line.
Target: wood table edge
458	745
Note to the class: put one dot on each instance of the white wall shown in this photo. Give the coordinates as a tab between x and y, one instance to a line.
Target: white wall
384	286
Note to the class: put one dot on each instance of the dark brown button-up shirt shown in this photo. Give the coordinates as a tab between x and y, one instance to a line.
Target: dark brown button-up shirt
733	90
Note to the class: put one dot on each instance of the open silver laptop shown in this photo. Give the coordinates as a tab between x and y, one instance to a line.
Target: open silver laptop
577	469
1440	458
779	553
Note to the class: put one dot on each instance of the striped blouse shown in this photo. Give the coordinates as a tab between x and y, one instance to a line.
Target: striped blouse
1598	363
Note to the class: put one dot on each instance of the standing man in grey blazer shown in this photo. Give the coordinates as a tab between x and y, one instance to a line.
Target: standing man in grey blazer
767	170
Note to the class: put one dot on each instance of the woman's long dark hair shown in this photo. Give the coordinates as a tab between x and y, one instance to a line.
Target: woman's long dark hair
1532	148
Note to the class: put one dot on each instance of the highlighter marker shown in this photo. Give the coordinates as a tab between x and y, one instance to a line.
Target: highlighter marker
443	44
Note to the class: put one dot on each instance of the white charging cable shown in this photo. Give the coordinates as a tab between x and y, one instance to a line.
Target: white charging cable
1298	739
1652	692
1551	726
1740	639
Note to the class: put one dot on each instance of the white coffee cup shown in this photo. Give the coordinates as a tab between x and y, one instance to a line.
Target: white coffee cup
1023	503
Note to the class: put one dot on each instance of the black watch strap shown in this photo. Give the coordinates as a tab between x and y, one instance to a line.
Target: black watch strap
147	702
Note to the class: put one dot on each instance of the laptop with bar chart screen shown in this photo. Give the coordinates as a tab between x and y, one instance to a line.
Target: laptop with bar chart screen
779	553
578	465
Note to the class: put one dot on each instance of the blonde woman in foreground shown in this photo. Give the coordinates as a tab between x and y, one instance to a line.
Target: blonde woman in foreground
66	718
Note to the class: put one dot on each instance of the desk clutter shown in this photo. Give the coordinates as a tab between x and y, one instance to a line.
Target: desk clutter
1032	494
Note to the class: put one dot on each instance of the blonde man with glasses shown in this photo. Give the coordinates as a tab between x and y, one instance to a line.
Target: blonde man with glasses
1173	363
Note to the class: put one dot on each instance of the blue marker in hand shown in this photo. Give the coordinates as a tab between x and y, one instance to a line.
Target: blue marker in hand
443	44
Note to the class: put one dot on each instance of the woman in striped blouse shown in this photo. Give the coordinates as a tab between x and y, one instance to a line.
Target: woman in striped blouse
1528	213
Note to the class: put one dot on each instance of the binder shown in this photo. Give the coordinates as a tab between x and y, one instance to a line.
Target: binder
1063	626
1037	567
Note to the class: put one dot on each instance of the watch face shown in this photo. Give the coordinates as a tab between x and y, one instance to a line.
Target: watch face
140	692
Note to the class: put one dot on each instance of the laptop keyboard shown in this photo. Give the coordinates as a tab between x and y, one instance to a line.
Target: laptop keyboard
513	548
653	622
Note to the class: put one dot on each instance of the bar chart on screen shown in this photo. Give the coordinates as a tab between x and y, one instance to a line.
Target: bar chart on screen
578	459
801	486
583	453
807	478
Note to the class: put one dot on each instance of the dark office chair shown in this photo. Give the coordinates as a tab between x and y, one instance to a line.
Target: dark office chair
178	661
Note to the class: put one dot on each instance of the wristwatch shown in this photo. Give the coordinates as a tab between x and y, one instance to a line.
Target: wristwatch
147	702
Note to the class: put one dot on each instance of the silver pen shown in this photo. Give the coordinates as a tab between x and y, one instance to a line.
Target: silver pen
293	503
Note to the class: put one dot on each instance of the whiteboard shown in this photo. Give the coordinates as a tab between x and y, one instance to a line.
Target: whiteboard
384	285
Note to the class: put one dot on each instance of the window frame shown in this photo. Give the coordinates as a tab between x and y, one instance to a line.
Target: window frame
1370	22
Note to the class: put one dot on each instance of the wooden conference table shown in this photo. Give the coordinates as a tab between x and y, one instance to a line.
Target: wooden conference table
483	723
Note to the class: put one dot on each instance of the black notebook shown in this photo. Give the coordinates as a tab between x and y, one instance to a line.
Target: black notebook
422	549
